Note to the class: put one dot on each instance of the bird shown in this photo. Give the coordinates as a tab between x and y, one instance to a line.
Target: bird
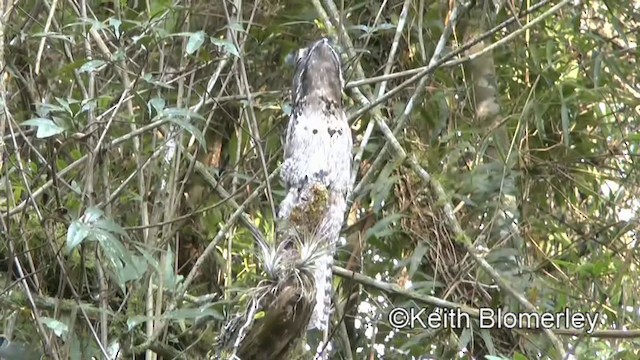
317	162
295	293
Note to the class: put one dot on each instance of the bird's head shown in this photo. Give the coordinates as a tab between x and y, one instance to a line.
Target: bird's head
318	73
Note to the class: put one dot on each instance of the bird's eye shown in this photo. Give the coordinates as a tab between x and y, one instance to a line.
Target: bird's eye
301	54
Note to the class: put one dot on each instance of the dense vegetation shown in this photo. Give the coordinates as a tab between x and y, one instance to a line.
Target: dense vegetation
495	149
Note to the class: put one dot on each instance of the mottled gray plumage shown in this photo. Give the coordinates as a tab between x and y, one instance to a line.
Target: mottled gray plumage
318	155
295	294
318	141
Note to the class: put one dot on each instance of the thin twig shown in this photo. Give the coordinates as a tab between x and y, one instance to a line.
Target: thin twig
16	300
254	130
394	289
47	25
444	60
400	153
462	238
415	98
383	86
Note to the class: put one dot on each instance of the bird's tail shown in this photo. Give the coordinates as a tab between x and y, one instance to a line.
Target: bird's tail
323	277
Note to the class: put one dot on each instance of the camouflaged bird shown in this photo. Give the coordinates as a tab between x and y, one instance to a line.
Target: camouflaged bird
317	162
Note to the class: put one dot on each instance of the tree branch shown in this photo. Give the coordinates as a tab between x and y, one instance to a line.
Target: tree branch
395	289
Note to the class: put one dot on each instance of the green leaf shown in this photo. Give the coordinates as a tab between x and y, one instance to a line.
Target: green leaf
416	258
192	313
465	338
136	320
115	23
149	258
382	224
518	356
196	40
149	79
94	227
417	340
91	66
381	189
121	269
46	128
112	246
259	315
191	129
132	270
181	118
620	29
66	104
597	69
76	234
486	338
110	226
92	215
47	109
58	328
96	24
371	30
183	113
550	52
228	46
564	115
89	105
171	280
156	104
236	26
